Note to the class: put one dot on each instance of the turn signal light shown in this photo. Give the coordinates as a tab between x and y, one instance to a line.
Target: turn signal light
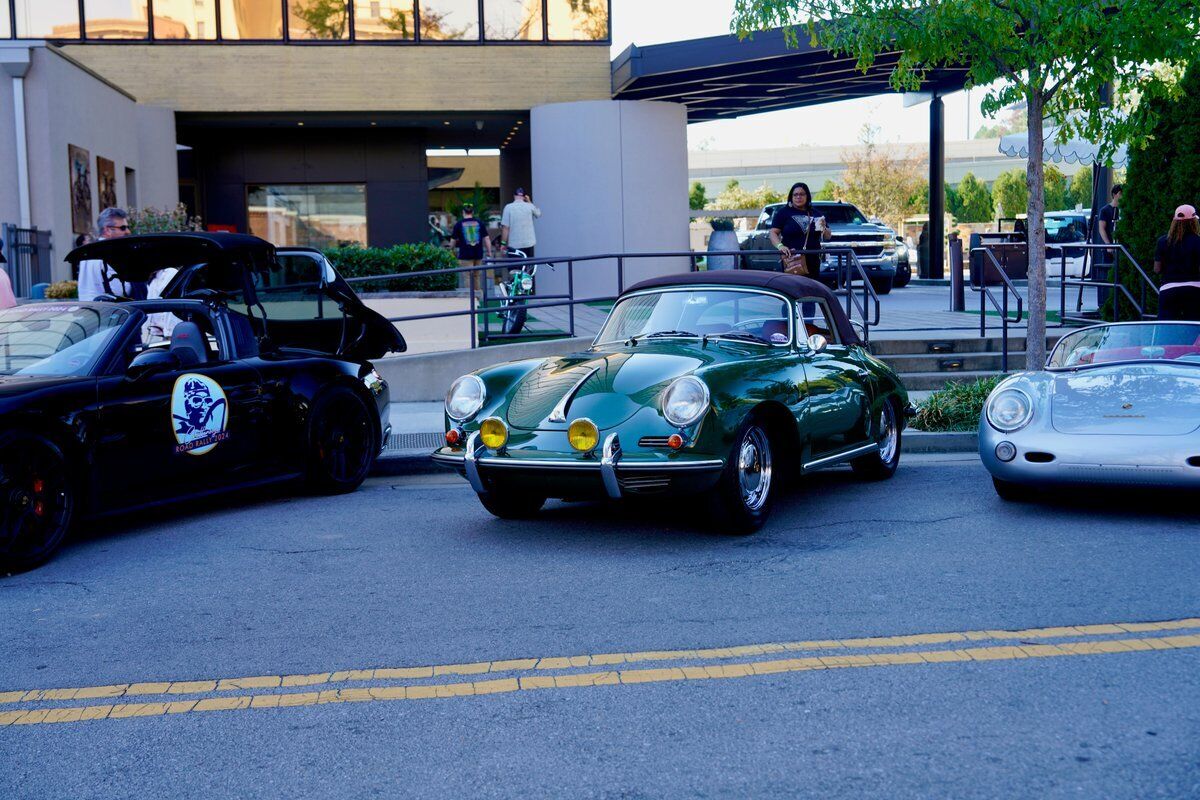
675	441
454	436
583	435
493	432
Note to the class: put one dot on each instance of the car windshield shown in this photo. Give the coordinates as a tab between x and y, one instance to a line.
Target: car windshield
1106	344
42	339
1065	230
681	313
836	214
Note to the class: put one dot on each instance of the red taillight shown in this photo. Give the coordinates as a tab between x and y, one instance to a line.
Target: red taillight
453	436
39	508
39	486
675	441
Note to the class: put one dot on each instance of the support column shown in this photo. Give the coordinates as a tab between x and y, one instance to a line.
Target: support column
937	188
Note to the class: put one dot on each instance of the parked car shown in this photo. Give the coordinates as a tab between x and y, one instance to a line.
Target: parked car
704	384
874	244
1118	404
904	265
95	418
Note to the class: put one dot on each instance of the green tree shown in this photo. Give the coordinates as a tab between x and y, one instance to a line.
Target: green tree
1081	189
1056	57
1058	189
733	196
975	200
323	19
1162	176
697	197
882	185
954	203
829	191
1010	193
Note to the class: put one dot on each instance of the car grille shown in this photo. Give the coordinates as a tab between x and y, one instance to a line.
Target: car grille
653	441
645	484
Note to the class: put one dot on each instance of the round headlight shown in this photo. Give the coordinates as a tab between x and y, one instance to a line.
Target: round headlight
465	398
493	433
583	435
1009	410
685	401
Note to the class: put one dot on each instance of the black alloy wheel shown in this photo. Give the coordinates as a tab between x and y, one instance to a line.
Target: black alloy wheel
341	439
38	498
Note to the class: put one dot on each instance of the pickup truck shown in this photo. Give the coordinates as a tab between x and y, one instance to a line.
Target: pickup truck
873	244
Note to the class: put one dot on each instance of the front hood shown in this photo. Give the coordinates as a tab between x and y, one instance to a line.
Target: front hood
607	387
1148	400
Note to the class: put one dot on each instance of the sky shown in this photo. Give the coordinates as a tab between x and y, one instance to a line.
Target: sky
645	22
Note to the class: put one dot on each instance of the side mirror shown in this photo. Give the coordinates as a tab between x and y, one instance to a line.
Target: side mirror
817	343
150	362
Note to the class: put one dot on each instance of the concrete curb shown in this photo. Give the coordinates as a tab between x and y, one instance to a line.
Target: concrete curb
417	462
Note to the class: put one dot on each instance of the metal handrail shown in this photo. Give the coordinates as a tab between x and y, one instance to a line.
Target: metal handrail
1000	305
848	264
1114	283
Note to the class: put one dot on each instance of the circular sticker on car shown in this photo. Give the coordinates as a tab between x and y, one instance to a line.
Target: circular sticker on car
199	414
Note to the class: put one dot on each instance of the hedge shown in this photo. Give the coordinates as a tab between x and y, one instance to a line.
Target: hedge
359	262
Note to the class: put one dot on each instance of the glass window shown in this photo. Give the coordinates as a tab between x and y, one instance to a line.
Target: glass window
43	339
840	213
512	19
5	24
693	313
1128	342
815	315
384	19
576	20
48	19
449	19
318	19
116	19
184	19
251	19
315	215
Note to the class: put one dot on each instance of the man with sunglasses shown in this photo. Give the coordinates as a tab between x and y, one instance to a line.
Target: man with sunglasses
95	277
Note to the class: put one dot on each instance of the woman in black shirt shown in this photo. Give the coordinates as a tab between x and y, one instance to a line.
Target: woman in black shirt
799	226
1177	259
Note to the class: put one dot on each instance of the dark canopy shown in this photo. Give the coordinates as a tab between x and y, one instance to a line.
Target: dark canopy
135	258
793	286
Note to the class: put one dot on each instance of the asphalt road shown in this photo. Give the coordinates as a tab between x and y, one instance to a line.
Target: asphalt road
411	572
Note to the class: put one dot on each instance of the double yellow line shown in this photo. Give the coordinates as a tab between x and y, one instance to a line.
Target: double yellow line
46	706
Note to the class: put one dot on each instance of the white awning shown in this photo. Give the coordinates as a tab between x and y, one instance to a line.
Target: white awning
1073	151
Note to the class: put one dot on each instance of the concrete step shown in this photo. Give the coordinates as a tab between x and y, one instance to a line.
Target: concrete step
952	362
930	381
950	344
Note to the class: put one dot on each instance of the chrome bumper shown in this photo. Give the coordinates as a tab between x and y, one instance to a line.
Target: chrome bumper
610	464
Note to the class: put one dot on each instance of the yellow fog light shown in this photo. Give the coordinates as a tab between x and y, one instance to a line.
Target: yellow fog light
583	435
493	432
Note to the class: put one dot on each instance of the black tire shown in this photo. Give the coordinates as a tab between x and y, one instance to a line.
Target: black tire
882	285
903	276
512	505
37	494
341	441
882	464
514	319
740	503
1012	492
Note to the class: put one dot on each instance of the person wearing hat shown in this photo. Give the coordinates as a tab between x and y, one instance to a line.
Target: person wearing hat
1177	260
516	223
470	241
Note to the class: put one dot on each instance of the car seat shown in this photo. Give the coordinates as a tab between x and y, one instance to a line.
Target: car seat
772	327
188	344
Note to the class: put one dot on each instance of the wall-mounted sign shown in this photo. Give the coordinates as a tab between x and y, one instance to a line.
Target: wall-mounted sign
80	161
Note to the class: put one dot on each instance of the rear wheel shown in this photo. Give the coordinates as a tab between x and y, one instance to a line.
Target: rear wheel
38	500
341	440
882	285
512	505
882	464
1012	492
742	500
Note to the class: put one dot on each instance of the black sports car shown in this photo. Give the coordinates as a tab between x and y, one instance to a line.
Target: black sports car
249	370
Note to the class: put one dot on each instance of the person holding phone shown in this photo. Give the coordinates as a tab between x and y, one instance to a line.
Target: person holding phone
798	226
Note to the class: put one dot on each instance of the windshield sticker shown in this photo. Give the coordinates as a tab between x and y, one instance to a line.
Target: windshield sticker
779	338
199	414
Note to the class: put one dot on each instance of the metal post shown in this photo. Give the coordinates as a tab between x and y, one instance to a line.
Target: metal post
571	294
620	274
486	332
937	190
1004	333
958	300
472	318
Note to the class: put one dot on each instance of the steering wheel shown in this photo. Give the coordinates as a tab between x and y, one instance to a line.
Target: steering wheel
758	322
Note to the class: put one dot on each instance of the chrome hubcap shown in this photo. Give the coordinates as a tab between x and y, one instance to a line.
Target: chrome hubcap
754	469
887	437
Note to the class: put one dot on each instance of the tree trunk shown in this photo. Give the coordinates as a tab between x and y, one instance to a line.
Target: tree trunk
1035	337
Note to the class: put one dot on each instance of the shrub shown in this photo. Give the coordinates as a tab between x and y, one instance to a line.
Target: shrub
62	290
360	262
162	220
956	407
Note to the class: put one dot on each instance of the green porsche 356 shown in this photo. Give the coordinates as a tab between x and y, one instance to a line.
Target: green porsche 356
703	383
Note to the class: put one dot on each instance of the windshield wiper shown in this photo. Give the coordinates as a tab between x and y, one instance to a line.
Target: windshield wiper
743	335
660	334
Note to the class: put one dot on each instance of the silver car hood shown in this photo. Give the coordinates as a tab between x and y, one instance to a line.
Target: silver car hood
1141	399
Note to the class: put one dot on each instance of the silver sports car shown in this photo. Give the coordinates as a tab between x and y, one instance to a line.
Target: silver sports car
1118	403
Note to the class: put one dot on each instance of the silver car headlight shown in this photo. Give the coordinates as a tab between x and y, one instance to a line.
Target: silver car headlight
1009	410
465	398
685	401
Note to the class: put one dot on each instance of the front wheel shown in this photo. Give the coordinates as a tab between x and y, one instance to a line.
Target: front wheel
882	464
882	285
514	318
37	497
341	440
512	505
742	500
903	276
1011	492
